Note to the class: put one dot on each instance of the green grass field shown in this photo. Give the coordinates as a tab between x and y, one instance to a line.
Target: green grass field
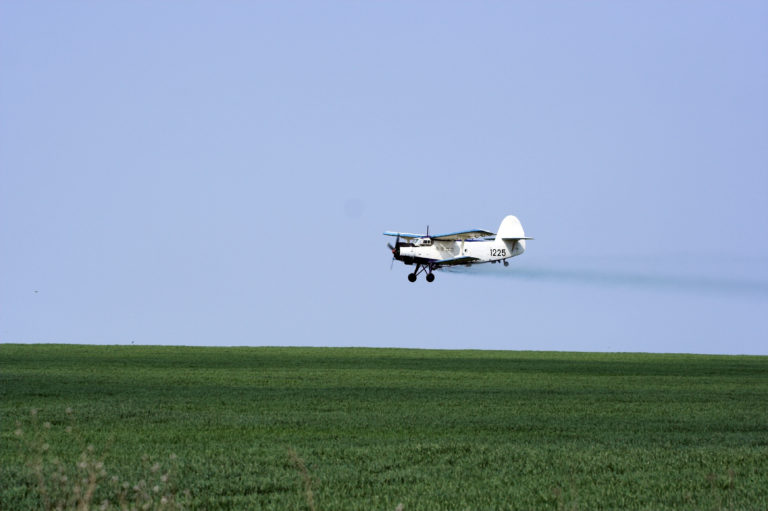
337	428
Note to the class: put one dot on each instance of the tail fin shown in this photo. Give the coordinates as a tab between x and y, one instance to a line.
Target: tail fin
512	234
511	230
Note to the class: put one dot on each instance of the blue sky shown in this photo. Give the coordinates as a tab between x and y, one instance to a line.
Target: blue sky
211	173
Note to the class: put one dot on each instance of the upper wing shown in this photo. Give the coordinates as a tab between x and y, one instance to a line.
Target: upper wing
403	234
453	236
463	235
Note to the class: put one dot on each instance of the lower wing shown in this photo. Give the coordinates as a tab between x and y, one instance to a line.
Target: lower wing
456	260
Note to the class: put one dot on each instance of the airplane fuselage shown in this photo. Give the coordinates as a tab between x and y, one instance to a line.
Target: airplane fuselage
486	251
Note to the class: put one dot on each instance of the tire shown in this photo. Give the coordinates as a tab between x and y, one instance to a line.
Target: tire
412	277
430	277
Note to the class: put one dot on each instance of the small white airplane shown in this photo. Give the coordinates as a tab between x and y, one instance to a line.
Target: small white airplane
477	246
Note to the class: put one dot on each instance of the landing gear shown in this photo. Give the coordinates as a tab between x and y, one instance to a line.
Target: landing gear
422	268
506	263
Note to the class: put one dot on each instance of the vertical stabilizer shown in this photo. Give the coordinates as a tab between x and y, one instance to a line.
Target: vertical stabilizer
512	235
510	229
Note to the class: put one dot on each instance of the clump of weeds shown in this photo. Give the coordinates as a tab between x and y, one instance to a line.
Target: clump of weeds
60	481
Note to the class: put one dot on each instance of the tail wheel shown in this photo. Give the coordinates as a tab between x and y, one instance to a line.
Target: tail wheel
412	277
430	277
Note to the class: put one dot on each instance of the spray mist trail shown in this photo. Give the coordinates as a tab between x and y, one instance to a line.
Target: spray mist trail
668	281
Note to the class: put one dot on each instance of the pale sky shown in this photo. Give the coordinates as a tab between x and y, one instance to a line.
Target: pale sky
213	173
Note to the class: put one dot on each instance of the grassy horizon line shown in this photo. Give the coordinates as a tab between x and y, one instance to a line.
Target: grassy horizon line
358	347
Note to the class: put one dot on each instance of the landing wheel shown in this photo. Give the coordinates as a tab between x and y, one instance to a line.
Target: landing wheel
430	277
506	263
412	277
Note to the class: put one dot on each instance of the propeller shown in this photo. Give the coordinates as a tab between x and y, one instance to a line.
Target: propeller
394	250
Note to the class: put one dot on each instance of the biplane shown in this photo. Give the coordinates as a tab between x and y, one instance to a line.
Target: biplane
433	252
